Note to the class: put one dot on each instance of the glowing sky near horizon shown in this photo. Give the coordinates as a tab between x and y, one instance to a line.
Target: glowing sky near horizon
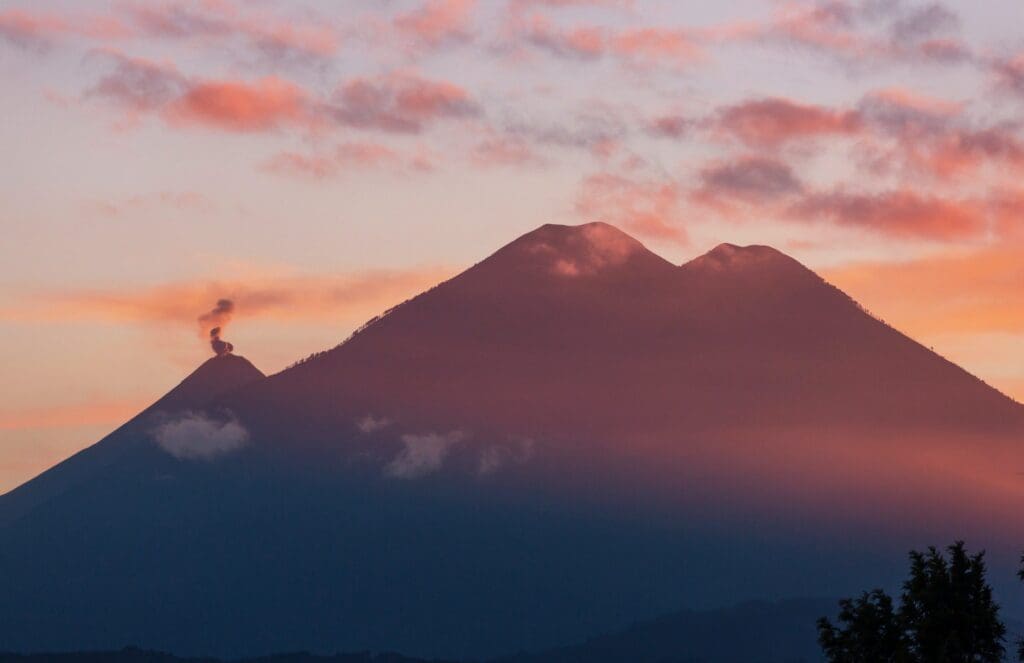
321	162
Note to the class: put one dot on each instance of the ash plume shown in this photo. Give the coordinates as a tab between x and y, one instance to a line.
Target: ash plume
212	323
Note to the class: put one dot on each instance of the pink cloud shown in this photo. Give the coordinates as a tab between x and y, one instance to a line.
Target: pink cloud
933	138
138	85
437	22
399	102
898	213
272	36
580	42
315	166
266	295
179	201
521	5
240	106
348	156
37	30
774	121
645	207
669	126
652	46
1009	73
749	180
908	104
497	150
634	47
859	34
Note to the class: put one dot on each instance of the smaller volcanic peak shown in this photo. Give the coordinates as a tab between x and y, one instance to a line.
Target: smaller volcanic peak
214	377
577	251
755	269
733	257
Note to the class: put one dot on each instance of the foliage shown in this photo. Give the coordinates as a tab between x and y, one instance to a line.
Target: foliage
946	615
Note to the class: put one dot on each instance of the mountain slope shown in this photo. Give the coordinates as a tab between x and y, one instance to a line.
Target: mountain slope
572	330
213	378
739	367
571	435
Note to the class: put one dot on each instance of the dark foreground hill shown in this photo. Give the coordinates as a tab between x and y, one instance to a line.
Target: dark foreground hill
754	632
133	655
572	435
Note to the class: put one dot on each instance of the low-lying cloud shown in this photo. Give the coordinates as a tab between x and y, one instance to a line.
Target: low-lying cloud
515	452
423	454
371	424
196	436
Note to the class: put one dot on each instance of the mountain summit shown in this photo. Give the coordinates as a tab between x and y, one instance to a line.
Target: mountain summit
568	436
215	377
570	251
572	331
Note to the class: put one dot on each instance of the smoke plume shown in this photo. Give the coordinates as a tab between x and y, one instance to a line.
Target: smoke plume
212	323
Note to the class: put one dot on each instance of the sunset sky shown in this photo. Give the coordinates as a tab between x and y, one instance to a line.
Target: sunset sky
320	162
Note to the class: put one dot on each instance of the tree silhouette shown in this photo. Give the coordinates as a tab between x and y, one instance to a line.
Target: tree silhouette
871	634
1020	642
946	615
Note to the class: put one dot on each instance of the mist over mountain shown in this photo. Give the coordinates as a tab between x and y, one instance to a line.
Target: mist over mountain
568	437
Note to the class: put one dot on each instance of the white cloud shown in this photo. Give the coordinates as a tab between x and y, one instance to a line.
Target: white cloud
194	436
370	424
518	450
422	454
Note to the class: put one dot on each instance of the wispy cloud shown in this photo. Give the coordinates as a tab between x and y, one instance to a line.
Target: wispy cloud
344	157
648	207
280	297
67	416
399	102
898	213
774	121
637	48
860	34
956	292
38	31
749	179
437	23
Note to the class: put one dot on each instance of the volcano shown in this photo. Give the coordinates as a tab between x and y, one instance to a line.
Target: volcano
571	435
214	377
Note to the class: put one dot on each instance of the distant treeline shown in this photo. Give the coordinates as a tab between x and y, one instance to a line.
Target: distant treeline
133	655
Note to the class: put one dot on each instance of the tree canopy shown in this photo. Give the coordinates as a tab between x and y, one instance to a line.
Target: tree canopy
946	615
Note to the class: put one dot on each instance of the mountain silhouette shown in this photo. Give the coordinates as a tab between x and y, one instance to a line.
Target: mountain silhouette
573	330
755	631
214	377
572	435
